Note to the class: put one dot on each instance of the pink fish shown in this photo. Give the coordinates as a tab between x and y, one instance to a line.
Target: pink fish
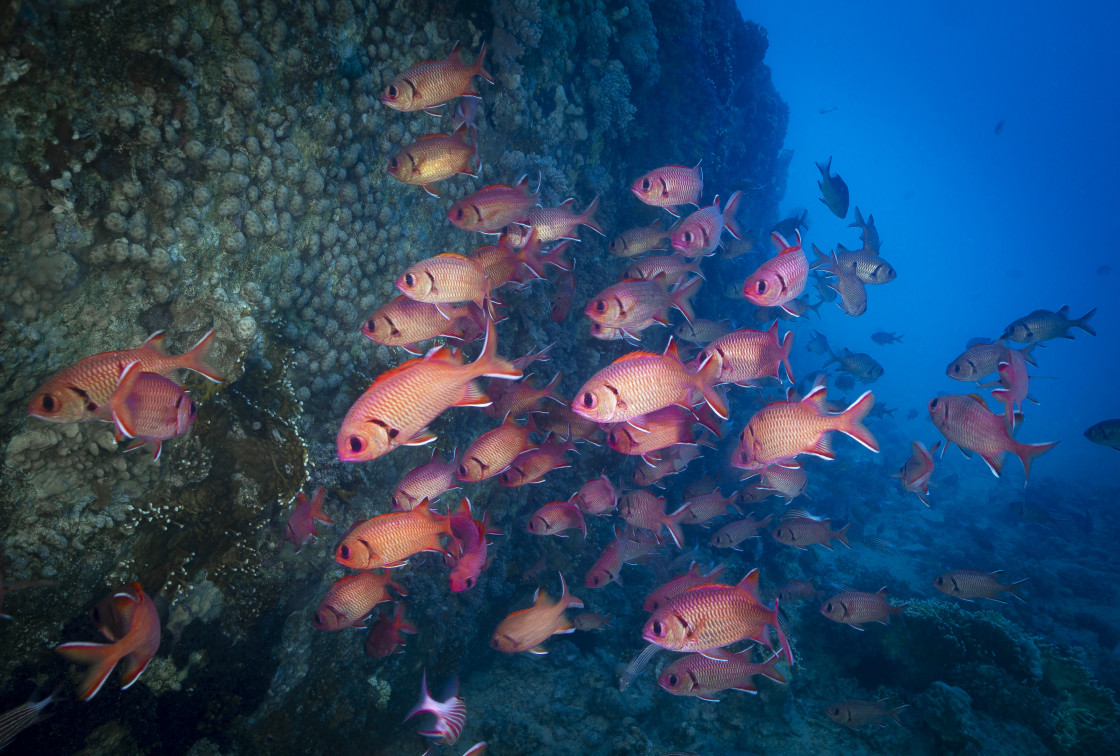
556	517
734	533
149	408
626	547
699	234
781	279
531	466
746	356
644	510
385	634
492	208
349	601
967	422
301	523
679	585
561	301
450	713
1014	379
428	481
596	497
672	461
469	535
670	186
916	472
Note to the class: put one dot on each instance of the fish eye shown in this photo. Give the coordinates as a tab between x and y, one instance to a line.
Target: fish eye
588	400
687	236
48	402
392	91
658	628
595	580
462	471
646	184
956	368
344	551
409	280
600	306
828	607
761	287
673	680
940	580
193	410
469	583
356	444
778	533
743	456
458	213
834	711
933	404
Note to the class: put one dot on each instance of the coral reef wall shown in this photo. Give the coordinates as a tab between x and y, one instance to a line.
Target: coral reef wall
196	165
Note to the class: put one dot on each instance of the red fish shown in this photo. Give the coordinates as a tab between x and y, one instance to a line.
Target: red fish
673	268
556	517
492	208
492	452
150	409
803	532
450	713
734	533
974	584
518	399
663	428
746	356
704	507
528	629
596	497
1014	380
781	431
672	461
386	634
670	186
697	675
469	537
427	85
82	391
699	234
561	301
130	621
396	409
967	422
628	304
915	474
781	279
404	322
531	466
428	481
350	600
639	383
301	523
626	548
679	585
856	607
709	617
643	509
388	540
436	157
445	279
555	223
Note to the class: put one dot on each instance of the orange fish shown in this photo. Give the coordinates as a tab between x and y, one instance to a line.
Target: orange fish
82	391
699	234
679	585
492	208
434	158
350	600
803	532
708	617
856	714
626	548
734	533
531	466
404	322
527	629
396	409
663	428
130	621
781	279
150	409
639	383
746	356
637	241
704	507
630	303
556	517
385	634
856	607
967	422
428	481
974	584
670	186
915	474
301	524
787	482
427	85
596	497
519	399
672	267
555	223
493	451
697	675
445	279
388	540
591	621
504	264
643	509
781	431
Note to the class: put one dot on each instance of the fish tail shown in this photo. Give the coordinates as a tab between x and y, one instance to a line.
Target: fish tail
706	378
1013	589
489	363
672	523
730	222
783	356
101	658
821	261
858	222
402	623
195	358
132	666
555	258
851	421
317	512
682	298
582	522
785	651
842	535
567	600
587	217
478	69
770	669
893	714
1083	322
1030	452
1026	352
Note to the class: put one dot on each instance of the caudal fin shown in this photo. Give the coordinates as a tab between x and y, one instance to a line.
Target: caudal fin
99	657
1029	453
770	669
317	511
477	68
195	358
587	217
785	651
730	222
490	363
787	346
1083	322
682	298
706	379
850	421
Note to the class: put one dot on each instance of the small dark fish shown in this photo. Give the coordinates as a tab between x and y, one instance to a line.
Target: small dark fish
999	128
829	109
869	235
1104	270
845	383
818	344
788	226
884	337
834	189
1105	433
911	414
1042	325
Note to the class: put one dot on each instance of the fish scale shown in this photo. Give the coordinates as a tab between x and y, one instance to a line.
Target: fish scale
669	425
495	450
403	321
709	506
857	607
679	585
432	158
971	584
967	422
427	481
747	355
637	241
697	675
388	540
669	186
493	207
444	279
433	82
351	599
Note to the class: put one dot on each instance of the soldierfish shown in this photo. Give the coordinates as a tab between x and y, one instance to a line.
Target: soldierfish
450	713
796	590
699	234
672	461
532	465
974	584
853	294
386	634
300	529
702	331
82	391
492	208
1105	433
704	507
445	279
701	677
586	621
856	714
803	532
981	359
834	189
396	409
639	383
554	223
866	266
1015	384
597	496
627	304
436	157
916	472
404	322
734	533
560	303
786	482
388	540
349	601
781	431
967	422
149	409
1043	325
780	280
868	234
745	356
708	617
556	517
528	629
427	85
859	365
494	451
428	481
626	547
670	186
679	585
856	607
662	429
521	398
637	241
645	510
469	538
129	619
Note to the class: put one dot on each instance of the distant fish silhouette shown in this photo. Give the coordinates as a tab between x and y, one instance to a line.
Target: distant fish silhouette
1104	270
999	128
829	109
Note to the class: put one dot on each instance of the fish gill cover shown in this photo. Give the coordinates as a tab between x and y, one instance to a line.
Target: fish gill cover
240	207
